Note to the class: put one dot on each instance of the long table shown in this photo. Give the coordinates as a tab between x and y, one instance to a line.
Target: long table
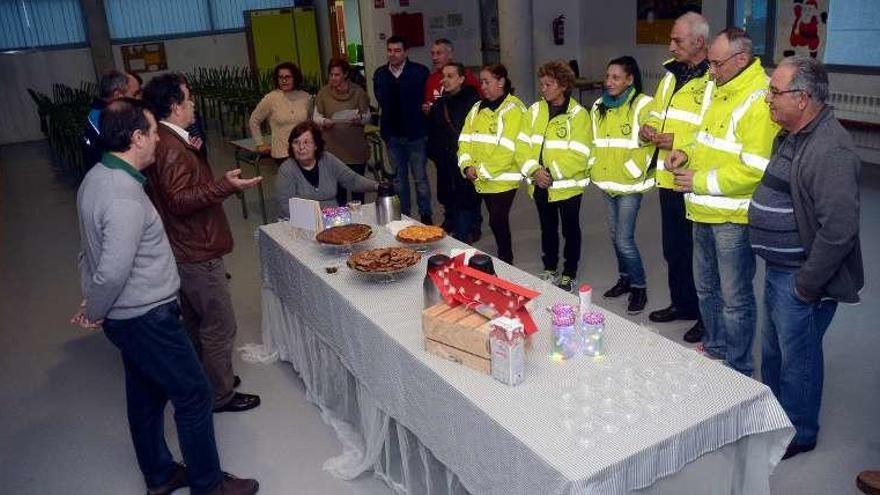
427	425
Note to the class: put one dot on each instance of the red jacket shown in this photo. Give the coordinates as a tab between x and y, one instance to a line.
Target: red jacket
189	200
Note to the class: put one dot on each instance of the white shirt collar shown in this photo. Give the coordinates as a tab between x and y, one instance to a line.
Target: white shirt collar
177	129
398	71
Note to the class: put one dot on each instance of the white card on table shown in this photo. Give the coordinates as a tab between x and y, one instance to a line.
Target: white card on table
305	214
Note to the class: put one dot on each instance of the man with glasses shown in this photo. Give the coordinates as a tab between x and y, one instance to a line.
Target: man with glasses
190	201
719	171
681	99
113	84
804	223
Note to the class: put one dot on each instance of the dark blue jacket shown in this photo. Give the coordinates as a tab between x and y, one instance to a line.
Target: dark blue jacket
412	87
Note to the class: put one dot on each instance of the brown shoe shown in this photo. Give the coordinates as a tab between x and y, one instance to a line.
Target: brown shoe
869	482
177	480
235	486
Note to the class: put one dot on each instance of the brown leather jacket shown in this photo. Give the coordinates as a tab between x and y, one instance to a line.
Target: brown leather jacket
189	200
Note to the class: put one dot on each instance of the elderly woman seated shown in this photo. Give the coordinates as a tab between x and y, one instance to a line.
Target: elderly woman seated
312	173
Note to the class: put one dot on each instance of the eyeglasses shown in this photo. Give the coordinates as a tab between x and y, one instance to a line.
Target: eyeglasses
285	78
719	63
774	93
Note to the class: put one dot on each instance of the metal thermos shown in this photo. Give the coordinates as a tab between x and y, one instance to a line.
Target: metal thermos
387	204
482	262
432	295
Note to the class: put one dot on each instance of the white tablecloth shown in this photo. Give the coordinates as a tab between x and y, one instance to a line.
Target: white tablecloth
358	345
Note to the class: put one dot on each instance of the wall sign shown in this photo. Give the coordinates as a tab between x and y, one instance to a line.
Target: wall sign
148	57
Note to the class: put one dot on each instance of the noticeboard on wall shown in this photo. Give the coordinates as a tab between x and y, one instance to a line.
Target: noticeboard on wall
654	18
409	25
147	57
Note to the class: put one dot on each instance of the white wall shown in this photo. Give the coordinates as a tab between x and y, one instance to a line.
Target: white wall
39	70
183	54
376	22
608	30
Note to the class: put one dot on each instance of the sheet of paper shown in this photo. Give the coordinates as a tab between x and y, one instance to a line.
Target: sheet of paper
305	214
344	115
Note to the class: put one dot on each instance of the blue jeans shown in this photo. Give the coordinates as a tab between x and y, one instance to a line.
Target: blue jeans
724	266
791	352
623	211
410	155
161	365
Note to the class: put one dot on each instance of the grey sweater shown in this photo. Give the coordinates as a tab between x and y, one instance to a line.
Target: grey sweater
291	183
126	264
825	191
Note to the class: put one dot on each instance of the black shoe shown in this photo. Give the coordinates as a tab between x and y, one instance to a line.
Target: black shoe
236	381
795	449
670	313
240	402
638	298
695	334
177	480
619	289
427	220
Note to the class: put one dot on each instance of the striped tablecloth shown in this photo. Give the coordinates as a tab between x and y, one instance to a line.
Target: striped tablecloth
606	426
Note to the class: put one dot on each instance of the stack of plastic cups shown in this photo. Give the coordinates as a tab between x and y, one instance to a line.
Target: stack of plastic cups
592	330
564	330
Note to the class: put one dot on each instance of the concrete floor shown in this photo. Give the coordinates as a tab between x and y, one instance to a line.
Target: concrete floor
62	415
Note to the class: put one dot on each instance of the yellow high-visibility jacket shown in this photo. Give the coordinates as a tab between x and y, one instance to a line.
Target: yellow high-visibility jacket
487	143
679	113
731	150
564	141
619	160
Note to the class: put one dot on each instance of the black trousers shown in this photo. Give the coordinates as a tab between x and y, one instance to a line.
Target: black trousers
499	205
549	215
342	193
678	251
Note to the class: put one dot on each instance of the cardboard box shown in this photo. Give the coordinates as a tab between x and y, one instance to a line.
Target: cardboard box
458	334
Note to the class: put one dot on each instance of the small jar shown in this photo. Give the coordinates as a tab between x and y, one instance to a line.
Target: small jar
564	330
592	333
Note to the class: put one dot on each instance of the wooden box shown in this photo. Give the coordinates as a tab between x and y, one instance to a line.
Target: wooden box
458	334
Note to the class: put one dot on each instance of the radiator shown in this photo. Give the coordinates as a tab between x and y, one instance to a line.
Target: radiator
855	108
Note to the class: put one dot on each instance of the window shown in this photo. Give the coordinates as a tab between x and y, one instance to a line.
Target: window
36	23
138	19
228	14
850	26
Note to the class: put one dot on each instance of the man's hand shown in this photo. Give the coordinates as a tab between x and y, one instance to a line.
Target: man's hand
683	180
196	142
676	159
233	178
327	124
79	319
663	140
647	133
542	178
356	121
470	174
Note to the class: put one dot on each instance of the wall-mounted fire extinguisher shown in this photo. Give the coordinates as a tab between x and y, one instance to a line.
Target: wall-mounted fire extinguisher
559	29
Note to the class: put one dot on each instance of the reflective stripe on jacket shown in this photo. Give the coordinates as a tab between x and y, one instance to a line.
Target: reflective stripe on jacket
564	143
731	149
619	161
679	113
487	143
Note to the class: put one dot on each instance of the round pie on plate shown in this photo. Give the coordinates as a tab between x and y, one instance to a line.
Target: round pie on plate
420	234
344	234
384	260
